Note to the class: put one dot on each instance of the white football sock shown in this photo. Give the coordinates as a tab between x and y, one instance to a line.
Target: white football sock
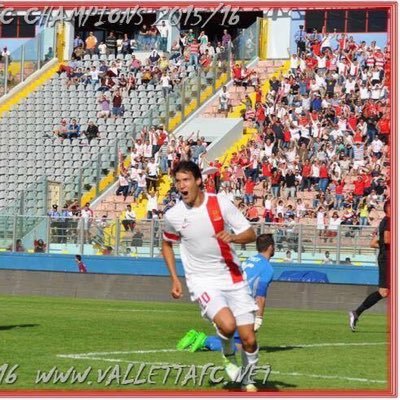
227	344
248	360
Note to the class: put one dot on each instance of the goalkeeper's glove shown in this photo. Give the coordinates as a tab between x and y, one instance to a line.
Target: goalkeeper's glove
258	323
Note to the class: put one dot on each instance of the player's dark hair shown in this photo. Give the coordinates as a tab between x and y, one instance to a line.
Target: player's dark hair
188	166
78	257
264	241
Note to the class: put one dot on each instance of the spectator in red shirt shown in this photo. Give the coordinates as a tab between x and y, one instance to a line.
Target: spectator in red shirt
316	48
217	175
358	191
323	177
286	138
266	170
383	127
260	115
194	53
339	194
249	191
252	213
226	175
258	95
367	180
306	175
276	183
237	74
352	121
209	184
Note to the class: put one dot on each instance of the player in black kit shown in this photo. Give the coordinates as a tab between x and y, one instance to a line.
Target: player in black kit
382	242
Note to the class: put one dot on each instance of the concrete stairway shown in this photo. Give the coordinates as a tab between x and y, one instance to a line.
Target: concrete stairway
265	70
112	206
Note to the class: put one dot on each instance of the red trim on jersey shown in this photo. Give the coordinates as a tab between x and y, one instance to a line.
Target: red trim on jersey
171	237
217	221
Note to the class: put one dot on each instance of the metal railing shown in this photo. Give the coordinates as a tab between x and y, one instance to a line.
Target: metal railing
146	42
179	105
119	237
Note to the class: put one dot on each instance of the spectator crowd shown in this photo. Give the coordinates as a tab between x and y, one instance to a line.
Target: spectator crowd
321	150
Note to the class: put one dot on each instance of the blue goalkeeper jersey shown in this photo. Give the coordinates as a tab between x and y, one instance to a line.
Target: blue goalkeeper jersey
258	271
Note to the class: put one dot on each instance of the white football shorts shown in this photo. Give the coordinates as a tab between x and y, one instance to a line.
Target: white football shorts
212	300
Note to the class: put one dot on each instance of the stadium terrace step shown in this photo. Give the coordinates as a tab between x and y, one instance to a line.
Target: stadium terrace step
265	70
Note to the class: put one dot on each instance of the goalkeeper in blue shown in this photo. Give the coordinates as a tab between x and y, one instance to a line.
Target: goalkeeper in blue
258	272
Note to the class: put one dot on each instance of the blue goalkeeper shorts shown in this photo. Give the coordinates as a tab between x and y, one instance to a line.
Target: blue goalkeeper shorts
213	343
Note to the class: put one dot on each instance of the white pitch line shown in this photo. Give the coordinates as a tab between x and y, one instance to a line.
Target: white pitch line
104	353
333	344
141	310
116	360
81	357
346	378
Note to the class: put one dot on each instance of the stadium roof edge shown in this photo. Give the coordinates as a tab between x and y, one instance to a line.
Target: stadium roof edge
245	6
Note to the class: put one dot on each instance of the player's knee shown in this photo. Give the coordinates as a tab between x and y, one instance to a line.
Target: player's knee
249	342
227	328
225	322
384	292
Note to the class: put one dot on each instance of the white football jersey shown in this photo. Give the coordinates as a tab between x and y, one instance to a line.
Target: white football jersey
207	261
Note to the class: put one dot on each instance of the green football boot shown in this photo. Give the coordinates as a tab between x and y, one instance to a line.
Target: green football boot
198	344
187	340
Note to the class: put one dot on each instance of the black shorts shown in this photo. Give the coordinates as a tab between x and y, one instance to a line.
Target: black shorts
384	273
301	46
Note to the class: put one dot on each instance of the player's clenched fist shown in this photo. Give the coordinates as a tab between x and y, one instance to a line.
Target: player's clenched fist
176	290
224	236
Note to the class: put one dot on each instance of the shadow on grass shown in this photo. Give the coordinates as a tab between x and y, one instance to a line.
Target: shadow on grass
268	386
273	349
8	327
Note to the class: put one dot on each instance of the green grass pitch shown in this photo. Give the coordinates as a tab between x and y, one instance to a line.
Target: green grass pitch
305	349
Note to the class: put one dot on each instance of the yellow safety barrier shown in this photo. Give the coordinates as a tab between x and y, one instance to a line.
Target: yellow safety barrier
15	68
28	89
263	39
60	41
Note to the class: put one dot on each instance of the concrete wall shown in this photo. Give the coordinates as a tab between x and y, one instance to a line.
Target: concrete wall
221	132
220	144
279	33
142	288
341	274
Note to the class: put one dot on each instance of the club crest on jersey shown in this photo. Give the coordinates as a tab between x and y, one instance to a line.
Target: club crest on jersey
215	215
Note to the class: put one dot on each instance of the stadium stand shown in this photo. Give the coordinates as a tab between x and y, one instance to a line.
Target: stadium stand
329	106
66	97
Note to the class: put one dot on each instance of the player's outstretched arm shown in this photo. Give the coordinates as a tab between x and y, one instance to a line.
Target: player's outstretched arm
169	258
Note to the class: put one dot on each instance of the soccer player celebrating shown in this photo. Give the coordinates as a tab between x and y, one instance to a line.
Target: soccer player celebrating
202	223
381	242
